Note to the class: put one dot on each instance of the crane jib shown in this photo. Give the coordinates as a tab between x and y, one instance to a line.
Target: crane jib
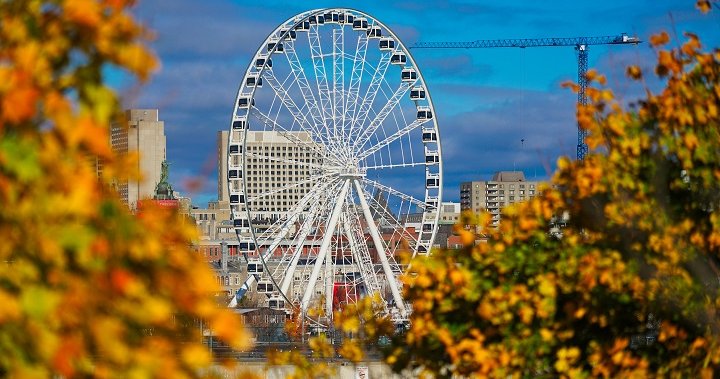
580	44
531	42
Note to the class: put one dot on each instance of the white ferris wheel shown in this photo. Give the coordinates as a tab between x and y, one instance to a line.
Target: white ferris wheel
334	163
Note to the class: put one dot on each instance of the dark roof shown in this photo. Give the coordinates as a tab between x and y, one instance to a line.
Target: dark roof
509	176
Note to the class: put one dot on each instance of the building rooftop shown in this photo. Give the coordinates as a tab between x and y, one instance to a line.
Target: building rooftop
509	176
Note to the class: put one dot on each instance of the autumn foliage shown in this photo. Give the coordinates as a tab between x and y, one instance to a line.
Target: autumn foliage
630	287
86	288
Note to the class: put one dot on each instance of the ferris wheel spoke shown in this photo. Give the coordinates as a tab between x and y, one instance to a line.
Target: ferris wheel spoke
399	229
321	80
338	82
286	99
291	136
295	210
261	242
284	229
289	186
397	165
392	191
304	85
369	98
253	157
279	229
355	79
360	254
390	139
312	198
299	244
393	101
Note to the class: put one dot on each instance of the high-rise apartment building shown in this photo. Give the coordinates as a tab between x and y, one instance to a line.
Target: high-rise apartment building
505	188
144	134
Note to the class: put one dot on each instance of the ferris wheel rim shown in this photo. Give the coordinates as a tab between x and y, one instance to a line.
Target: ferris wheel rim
297	20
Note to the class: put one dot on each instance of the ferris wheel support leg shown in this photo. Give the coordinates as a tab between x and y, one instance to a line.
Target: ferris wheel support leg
324	252
246	286
381	250
287	281
329	278
364	262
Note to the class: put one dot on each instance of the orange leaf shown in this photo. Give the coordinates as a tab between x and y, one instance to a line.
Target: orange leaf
634	72
659	39
19	105
85	12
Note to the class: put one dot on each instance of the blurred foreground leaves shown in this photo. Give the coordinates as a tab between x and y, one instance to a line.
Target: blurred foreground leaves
630	287
86	288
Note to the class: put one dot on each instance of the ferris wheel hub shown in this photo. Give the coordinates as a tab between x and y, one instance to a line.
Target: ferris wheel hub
351	172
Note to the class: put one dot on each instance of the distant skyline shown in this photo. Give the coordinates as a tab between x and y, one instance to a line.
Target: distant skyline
486	100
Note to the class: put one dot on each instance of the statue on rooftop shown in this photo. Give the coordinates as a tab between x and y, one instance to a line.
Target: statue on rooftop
163	190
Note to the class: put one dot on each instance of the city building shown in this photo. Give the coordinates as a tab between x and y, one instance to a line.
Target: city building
184	204
143	133
277	170
210	220
222	158
449	213
505	188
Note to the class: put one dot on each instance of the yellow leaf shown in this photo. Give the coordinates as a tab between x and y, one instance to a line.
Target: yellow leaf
703	5
350	324
86	12
196	355
546	286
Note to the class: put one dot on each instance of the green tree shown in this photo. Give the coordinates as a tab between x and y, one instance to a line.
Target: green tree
86	288
639	257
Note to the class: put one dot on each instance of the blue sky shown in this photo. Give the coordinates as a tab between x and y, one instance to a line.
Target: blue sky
486	100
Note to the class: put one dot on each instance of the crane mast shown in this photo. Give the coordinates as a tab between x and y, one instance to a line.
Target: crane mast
581	47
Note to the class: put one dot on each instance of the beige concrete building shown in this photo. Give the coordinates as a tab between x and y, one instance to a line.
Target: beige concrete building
449	213
222	158
505	188
210	219
277	171
145	134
